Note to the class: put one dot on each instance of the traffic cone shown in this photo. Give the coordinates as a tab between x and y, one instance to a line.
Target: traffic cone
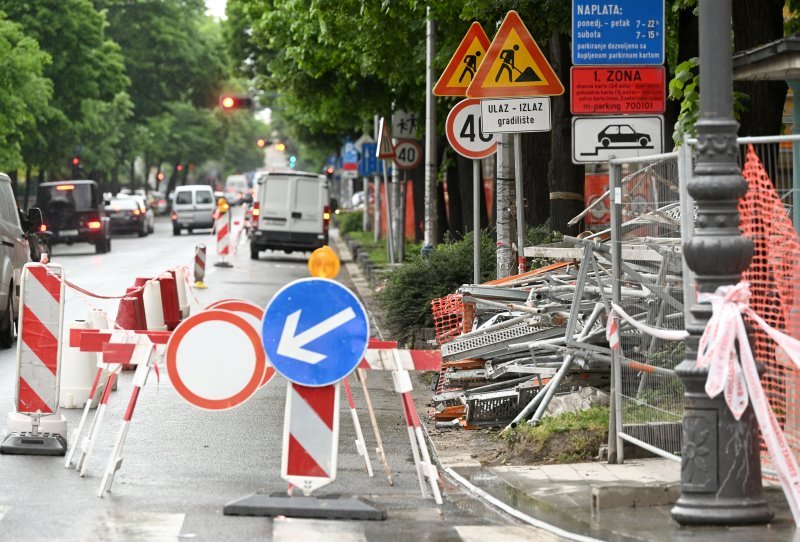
128	318
153	308
141	321
169	301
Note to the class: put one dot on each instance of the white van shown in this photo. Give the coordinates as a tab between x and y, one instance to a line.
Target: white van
237	190
193	207
15	252
291	213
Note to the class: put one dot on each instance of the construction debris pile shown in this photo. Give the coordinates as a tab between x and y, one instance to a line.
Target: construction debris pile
510	345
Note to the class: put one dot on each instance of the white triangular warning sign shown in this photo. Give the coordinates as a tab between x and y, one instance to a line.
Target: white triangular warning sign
385	148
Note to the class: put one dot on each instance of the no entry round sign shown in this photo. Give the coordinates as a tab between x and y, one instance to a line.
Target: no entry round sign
215	360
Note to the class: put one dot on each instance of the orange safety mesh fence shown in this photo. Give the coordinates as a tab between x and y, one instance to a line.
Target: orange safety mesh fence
773	276
448	317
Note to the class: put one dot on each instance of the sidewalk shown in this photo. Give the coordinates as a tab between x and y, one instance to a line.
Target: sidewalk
627	502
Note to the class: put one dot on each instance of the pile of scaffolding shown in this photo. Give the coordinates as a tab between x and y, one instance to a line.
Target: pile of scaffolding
510	345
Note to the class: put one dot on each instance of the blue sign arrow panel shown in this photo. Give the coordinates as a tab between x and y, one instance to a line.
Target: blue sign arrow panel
315	331
617	32
369	160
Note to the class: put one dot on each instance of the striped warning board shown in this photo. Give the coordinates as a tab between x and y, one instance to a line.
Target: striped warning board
39	347
310	436
223	235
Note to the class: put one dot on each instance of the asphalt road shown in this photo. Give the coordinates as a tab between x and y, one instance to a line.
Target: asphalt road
182	464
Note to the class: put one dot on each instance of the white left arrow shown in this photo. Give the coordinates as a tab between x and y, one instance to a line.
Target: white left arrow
291	345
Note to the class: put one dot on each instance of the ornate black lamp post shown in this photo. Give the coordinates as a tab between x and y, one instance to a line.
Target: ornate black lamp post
721	470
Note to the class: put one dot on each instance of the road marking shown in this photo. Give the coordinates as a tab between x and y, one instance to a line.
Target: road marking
3	511
316	530
291	345
503	533
139	526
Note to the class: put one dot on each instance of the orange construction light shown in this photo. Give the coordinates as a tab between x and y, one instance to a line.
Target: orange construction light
324	263
222	206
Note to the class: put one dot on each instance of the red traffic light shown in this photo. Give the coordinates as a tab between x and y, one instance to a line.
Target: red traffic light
330	170
180	167
231	101
76	161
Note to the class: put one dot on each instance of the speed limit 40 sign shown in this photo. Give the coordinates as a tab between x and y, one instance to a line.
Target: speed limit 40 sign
407	154
464	131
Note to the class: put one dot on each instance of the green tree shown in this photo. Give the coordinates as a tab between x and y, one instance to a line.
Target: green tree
24	91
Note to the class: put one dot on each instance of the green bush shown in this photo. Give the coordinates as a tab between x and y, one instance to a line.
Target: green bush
406	298
349	221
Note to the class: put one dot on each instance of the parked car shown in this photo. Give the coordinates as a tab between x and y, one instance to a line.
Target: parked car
193	208
292	212
127	215
17	231
74	212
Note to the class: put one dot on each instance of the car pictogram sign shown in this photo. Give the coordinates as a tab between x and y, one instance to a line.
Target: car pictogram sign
461	69
215	360
514	66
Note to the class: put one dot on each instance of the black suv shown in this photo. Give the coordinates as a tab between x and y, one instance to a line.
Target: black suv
73	212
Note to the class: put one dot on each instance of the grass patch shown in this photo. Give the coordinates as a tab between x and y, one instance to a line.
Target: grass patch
568	438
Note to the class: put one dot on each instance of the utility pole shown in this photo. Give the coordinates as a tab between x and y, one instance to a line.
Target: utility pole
721	464
431	203
504	221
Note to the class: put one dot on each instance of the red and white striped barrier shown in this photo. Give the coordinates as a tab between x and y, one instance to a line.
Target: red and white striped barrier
200	266
310	436
39	347
386	358
223	228
361	445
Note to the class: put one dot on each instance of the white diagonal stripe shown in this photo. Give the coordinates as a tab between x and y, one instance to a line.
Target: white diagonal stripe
311	432
42	304
316	530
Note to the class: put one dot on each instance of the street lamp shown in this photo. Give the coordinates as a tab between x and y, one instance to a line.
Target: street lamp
721	468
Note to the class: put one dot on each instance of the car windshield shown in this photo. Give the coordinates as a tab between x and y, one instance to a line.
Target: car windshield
78	196
122	205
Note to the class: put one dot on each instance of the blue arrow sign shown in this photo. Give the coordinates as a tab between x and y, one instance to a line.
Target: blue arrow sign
315	331
369	160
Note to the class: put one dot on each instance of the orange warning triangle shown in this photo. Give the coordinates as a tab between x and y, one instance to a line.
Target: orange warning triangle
514	66
461	69
385	147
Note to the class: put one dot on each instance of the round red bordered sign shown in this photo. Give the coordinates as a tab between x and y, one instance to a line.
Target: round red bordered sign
215	360
253	314
464	133
407	154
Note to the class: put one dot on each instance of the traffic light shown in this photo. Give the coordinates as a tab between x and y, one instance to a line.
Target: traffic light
76	161
233	101
261	142
180	167
280	147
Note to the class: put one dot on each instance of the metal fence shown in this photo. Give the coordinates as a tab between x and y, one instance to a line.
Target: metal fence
647	266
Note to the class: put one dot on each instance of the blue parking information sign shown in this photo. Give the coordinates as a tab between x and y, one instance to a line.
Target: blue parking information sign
617	32
315	331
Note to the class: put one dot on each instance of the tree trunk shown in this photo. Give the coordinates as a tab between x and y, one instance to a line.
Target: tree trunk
506	215
442	225
462	170
756	22
418	182
565	179
535	156
688	47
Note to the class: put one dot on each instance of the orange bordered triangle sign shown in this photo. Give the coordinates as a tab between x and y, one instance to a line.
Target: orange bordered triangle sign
461	69
514	66
385	147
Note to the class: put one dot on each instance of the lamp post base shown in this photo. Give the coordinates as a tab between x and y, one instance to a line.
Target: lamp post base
690	510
